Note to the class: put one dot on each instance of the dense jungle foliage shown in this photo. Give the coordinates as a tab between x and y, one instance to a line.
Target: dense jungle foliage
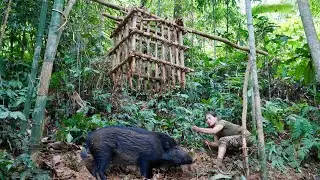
289	92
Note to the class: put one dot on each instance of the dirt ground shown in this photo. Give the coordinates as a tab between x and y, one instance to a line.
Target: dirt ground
65	162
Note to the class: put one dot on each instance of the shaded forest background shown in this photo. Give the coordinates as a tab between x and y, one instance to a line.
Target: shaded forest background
81	97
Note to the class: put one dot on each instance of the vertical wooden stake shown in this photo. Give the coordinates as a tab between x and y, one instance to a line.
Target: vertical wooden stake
183	73
171	59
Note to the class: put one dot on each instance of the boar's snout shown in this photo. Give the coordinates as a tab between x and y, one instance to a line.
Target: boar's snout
177	156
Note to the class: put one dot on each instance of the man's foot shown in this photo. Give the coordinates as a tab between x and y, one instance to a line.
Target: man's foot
220	166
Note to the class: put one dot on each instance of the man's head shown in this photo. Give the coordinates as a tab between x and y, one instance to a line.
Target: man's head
211	118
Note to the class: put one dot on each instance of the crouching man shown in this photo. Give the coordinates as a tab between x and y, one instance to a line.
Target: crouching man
227	135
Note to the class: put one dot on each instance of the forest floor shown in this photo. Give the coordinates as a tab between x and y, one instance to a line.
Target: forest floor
65	162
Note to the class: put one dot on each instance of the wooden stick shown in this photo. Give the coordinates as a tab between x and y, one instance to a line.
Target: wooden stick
163	68
133	48
226	41
117	19
177	58
183	73
171	60
161	39
124	22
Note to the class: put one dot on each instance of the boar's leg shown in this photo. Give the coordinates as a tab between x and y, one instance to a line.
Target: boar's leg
102	163
145	168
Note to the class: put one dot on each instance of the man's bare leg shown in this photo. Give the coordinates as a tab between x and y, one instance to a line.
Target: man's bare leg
221	152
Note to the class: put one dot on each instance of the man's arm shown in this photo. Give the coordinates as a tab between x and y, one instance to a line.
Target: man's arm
214	130
216	138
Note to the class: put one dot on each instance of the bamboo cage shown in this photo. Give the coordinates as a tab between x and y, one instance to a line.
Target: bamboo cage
148	53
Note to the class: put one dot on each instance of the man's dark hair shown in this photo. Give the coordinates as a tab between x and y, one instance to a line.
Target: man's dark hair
212	113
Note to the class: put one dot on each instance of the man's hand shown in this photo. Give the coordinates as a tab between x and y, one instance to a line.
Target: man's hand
195	128
208	143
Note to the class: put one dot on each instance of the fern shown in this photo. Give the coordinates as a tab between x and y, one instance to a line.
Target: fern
273	112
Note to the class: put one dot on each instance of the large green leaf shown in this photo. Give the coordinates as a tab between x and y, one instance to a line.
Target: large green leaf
273	8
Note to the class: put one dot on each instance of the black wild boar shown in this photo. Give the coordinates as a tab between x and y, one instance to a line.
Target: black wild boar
129	145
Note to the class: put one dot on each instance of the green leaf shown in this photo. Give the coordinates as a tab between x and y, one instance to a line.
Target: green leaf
69	138
4	115
17	114
108	108
96	119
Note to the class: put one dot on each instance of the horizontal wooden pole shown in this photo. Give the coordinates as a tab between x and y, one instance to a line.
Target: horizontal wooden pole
226	41
150	58
161	39
136	31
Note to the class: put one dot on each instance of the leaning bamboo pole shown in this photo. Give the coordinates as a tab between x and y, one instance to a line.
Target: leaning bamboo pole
181	28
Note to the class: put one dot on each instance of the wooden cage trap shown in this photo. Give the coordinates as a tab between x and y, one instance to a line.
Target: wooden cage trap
148	53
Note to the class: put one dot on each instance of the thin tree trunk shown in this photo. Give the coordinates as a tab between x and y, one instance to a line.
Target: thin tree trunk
256	90
45	76
159	8
143	3
311	34
4	22
253	110
23	39
177	14
227	24
214	29
244	118
35	63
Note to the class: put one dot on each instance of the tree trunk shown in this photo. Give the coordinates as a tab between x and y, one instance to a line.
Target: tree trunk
46	71
244	118
177	14
4	22
66	13
35	63
311	34
256	90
